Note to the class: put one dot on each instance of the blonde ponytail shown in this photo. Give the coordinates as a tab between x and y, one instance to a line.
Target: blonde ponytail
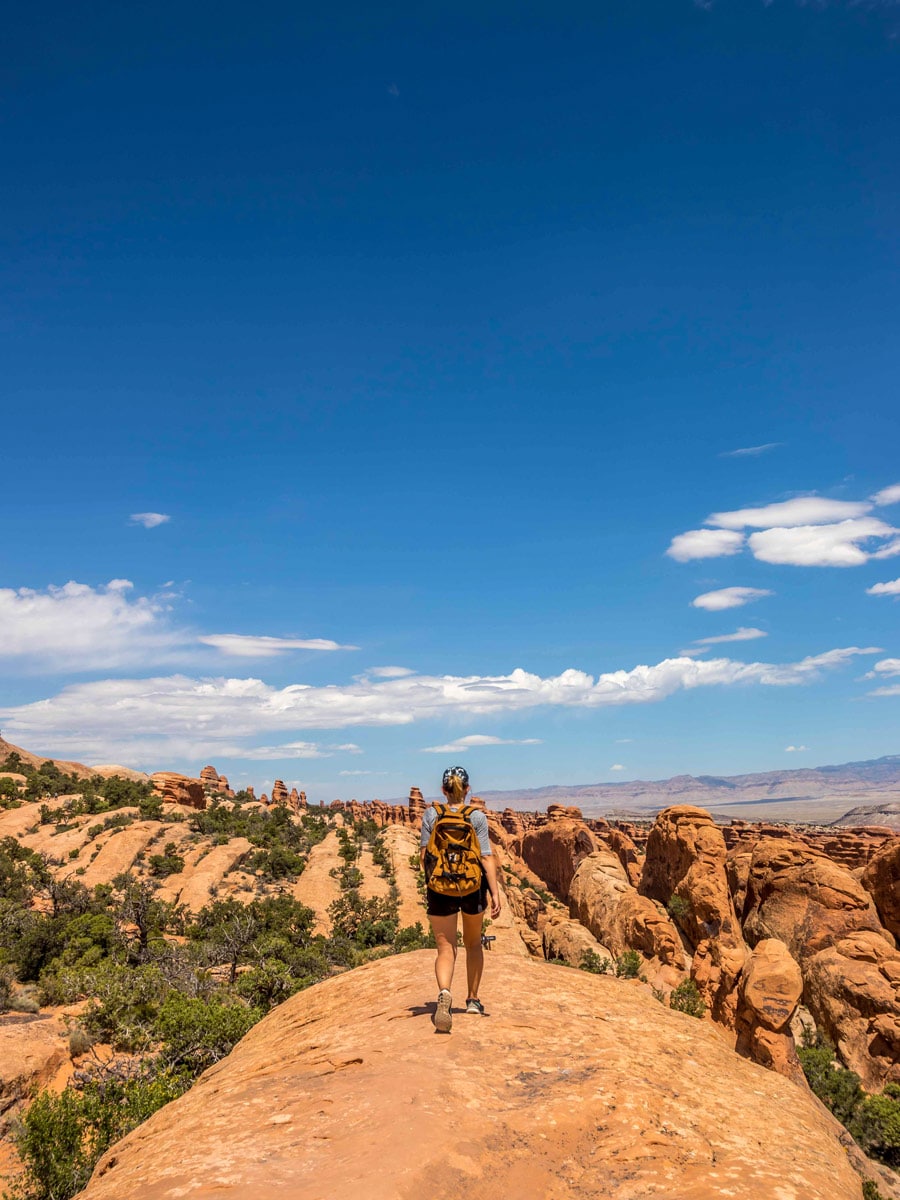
455	787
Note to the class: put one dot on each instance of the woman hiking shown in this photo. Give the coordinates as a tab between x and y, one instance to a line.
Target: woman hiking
459	872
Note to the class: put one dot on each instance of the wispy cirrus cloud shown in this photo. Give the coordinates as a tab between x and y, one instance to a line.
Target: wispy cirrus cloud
241	645
742	634
751	451
148	717
473	741
149	520
730	597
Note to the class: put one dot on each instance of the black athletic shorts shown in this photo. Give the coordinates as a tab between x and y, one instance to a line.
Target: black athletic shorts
439	905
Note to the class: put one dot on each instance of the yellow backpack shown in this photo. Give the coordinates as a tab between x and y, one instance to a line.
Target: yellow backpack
453	853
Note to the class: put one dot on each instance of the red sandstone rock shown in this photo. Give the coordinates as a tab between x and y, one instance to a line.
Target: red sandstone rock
851	973
627	852
568	941
577	1088
619	917
279	792
852	988
881	878
686	858
553	851
179	789
770	990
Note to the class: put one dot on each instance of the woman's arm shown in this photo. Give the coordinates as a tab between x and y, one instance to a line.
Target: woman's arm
490	869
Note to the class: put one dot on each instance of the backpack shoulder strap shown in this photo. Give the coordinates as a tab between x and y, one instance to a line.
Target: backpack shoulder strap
466	811
440	809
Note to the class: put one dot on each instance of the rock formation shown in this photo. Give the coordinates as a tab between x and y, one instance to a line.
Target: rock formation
179	789
584	1088
280	793
771	986
851	972
881	879
553	851
603	900
685	869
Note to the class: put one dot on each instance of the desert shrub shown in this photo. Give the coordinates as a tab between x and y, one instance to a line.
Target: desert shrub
61	1137
168	863
629	964
871	1191
678	908
7	986
413	937
278	862
876	1125
837	1088
195	1033
366	922
686	998
592	962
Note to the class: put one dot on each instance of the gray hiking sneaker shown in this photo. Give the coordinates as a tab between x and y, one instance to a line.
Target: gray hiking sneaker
443	1017
475	1006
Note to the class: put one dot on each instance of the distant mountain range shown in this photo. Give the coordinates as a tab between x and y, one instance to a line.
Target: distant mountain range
828	794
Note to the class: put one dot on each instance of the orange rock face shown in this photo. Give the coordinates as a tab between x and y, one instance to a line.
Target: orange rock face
881	879
179	789
279	792
771	987
574	1088
619	917
553	851
686	858
851	972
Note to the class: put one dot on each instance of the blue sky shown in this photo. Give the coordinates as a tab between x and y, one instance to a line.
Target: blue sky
431	332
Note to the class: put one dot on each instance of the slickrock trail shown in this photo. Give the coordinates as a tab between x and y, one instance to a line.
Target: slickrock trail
316	887
574	1086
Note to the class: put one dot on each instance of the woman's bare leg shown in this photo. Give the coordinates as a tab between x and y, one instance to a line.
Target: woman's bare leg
444	930
472	925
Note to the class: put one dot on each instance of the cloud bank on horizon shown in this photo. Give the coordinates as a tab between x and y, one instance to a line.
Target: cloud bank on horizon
153	716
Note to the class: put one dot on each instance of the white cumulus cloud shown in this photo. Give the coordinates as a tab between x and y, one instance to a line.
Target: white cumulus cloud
730	597
239	645
617	767
891	588
389	672
888	495
150	520
78	627
705	543
795	749
886	666
804	510
823	545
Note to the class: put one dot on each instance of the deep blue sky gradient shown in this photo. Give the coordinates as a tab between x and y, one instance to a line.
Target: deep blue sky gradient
428	326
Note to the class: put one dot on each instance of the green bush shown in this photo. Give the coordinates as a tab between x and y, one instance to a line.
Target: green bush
876	1125
871	1190
168	863
678	908
686	998
196	1033
592	962
61	1137
629	964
